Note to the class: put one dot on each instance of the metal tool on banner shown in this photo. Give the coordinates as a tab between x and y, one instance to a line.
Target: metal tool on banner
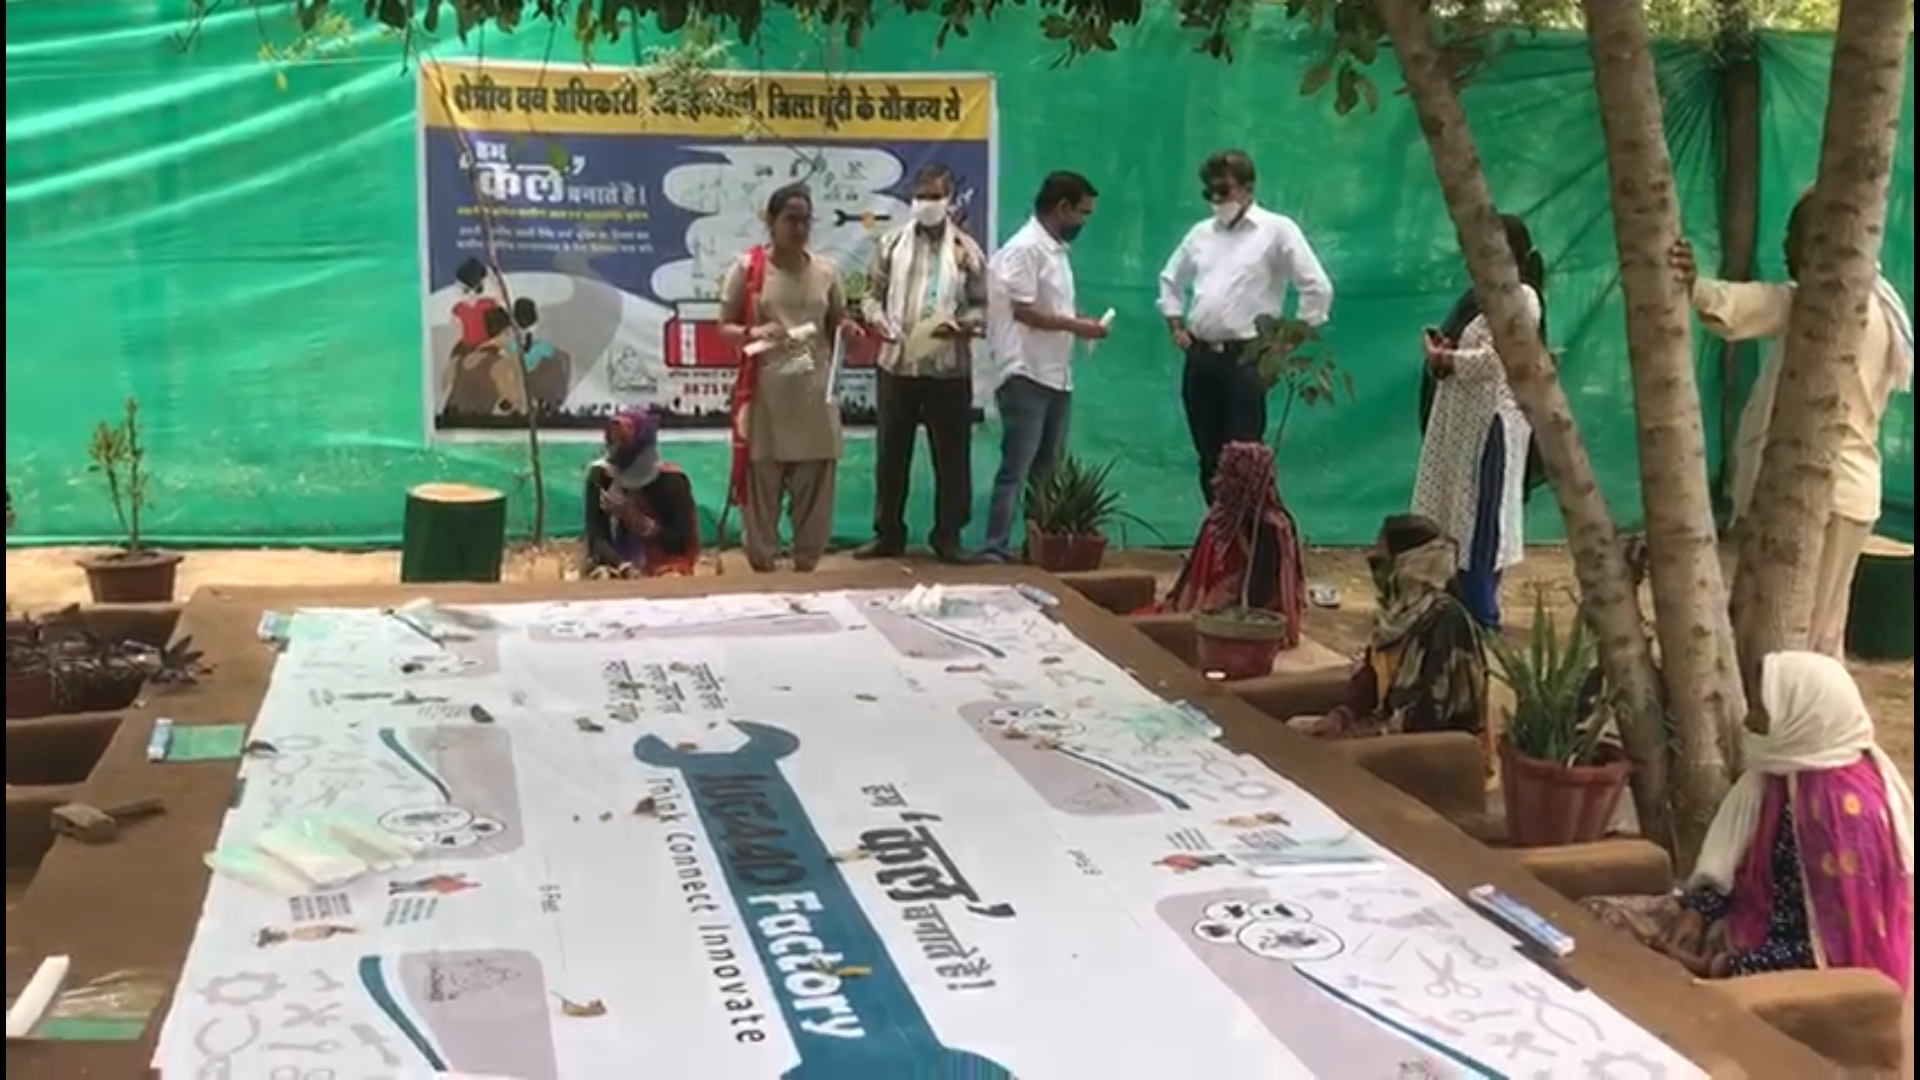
1446	983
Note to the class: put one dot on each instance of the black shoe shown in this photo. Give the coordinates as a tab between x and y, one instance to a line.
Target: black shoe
951	553
878	549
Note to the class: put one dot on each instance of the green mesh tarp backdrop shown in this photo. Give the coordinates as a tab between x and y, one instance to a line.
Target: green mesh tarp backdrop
244	259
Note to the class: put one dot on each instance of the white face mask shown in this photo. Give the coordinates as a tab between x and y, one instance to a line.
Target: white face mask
1229	211
929	212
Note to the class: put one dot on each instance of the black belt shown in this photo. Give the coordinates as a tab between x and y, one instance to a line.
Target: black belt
1221	348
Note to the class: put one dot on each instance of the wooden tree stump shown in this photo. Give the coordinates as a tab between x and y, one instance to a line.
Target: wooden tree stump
453	532
1880	615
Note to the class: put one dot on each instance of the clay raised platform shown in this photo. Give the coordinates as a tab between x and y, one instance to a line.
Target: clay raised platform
134	903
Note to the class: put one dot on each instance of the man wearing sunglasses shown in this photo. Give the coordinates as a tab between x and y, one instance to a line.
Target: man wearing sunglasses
1228	272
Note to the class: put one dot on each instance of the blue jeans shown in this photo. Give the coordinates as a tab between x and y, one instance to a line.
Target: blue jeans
1033	438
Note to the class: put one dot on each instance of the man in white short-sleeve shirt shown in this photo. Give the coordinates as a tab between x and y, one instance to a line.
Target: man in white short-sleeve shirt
1032	325
1238	265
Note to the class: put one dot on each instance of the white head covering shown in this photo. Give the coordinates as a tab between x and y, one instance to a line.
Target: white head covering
1818	721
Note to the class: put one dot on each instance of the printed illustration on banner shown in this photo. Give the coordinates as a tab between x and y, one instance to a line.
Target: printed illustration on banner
577	232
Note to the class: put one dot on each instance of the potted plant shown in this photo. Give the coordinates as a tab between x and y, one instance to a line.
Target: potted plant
135	573
1240	641
1291	355
1068	512
1561	782
29	670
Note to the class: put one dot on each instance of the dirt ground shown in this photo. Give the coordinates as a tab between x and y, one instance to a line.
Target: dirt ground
43	578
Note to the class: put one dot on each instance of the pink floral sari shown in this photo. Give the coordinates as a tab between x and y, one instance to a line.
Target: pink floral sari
1859	896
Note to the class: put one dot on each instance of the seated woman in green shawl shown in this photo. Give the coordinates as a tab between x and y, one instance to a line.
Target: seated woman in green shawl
1425	668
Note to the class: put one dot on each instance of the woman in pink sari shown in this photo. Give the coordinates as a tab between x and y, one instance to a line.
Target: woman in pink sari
1809	862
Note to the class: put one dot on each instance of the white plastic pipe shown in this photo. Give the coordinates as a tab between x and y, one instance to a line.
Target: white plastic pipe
33	1002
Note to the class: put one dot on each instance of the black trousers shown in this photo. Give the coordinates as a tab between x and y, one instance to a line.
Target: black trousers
944	407
1226	402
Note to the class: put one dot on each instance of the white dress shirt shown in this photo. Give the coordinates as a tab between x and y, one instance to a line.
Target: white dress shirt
1757	311
1030	269
1240	273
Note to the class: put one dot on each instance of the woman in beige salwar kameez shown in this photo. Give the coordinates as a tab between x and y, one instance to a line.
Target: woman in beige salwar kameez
783	304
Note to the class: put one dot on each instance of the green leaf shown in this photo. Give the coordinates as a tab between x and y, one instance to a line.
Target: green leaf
1347	95
1316	77
1370	92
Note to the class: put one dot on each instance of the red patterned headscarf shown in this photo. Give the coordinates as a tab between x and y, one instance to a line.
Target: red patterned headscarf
1246	509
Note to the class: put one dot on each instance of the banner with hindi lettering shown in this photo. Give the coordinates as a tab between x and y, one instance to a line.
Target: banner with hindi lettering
611	215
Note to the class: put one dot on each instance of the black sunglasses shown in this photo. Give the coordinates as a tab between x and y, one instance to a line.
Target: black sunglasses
1217	193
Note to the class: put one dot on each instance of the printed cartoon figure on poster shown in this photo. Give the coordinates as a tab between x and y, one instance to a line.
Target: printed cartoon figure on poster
587	624
618	227
484	1011
455	657
555	223
1036	740
468	801
1257	944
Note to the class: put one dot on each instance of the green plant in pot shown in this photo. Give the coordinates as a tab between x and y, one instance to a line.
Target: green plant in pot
134	573
1240	641
1069	510
1292	357
1561	779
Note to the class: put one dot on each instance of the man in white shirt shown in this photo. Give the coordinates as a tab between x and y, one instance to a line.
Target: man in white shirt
1753	311
1032	325
1237	265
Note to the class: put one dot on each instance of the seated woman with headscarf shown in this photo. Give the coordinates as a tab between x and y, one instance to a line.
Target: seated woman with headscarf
1248	549
640	515
1424	669
1809	861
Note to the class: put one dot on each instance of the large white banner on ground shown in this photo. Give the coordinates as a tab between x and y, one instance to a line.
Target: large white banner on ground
824	836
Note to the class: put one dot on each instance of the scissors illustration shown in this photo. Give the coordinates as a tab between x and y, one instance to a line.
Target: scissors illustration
1446	983
1474	956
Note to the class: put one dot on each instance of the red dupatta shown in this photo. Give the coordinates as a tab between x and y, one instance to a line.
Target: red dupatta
746	378
1246	510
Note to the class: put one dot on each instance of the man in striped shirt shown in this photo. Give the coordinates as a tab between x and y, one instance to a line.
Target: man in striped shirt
926	300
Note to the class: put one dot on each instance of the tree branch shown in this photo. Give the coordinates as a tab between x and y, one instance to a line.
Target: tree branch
1609	600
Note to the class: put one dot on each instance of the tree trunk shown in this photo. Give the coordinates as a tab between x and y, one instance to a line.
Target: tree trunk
1780	542
1739	197
1689	598
1608	597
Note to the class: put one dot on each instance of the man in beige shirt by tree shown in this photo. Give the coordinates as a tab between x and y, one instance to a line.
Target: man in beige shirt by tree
1753	311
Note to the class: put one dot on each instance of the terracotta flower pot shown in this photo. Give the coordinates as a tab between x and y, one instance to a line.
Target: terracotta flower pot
30	695
1065	554
1238	643
1551	805
131	577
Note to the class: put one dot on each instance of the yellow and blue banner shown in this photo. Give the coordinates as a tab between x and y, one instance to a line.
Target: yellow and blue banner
612	213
